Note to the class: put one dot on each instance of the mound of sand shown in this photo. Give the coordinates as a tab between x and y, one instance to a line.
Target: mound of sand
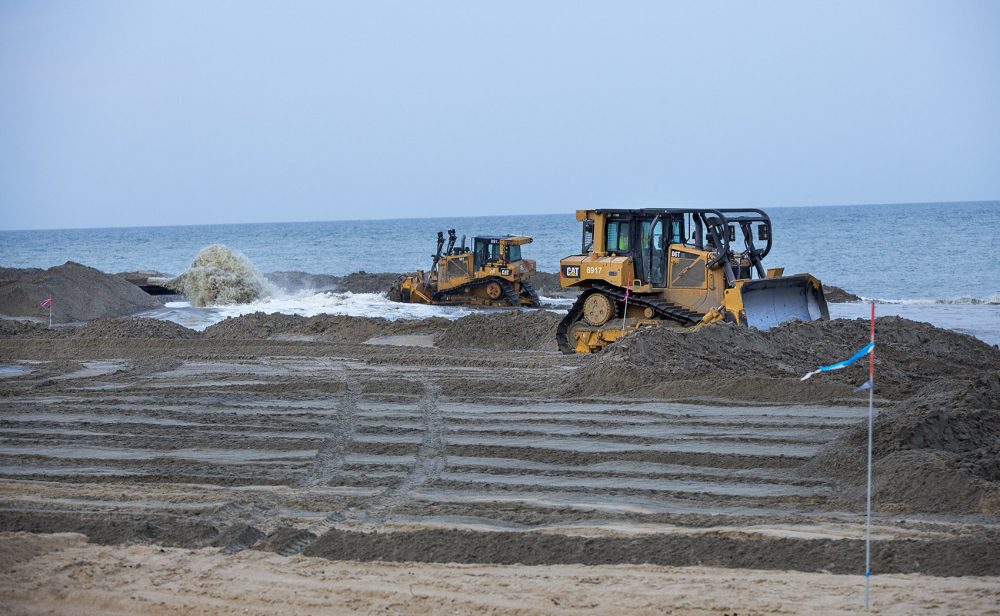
12	274
101	329
133	327
80	293
750	364
220	276
256	326
836	295
328	328
10	328
506	330
938	391
500	330
547	284
938	450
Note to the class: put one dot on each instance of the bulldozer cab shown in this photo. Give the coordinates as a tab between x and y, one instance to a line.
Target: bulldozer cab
497	250
677	248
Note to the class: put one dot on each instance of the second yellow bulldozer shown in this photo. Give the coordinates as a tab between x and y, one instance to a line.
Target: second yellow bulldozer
490	273
680	267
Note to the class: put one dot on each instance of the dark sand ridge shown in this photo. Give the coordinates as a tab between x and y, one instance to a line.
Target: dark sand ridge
938	432
230	397
80	293
500	330
937	444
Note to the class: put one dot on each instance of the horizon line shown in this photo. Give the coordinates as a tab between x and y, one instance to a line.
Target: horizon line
299	222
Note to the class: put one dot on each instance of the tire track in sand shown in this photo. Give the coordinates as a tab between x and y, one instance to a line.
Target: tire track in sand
325	467
330	456
430	459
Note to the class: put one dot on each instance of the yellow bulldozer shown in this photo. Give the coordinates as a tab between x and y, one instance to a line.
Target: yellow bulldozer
681	267
491	273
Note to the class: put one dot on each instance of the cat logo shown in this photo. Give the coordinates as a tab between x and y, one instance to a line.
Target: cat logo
505	272
571	271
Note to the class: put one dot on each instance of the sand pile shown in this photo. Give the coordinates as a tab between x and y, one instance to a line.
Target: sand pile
938	392
12	274
504	330
937	435
328	328
749	364
836	295
358	329
80	293
132	327
547	284
220	276
936	451
256	326
10	328
499	330
100	329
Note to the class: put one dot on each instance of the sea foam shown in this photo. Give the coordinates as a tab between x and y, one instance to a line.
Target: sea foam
221	276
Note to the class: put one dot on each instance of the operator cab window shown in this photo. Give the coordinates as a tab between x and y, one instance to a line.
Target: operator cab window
617	234
588	236
676	232
485	252
513	252
493	252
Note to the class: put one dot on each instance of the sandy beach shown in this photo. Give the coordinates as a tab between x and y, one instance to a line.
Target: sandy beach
325	461
62	574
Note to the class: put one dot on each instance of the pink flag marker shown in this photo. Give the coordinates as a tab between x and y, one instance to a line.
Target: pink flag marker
47	303
628	287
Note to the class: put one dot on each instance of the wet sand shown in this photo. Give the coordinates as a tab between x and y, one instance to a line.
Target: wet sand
293	459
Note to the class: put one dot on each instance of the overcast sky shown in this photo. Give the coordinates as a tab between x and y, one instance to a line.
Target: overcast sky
144	113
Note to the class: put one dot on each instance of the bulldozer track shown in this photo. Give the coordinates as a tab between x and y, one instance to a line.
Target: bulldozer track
661	309
529	289
508	291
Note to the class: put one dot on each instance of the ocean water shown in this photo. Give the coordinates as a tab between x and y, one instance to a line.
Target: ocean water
932	262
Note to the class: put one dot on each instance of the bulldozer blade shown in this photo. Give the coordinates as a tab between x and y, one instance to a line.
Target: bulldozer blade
770	301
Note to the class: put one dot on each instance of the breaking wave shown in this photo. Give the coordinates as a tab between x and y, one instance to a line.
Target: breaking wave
221	276
991	300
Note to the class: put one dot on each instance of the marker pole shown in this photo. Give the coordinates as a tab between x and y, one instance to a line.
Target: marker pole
628	288
868	515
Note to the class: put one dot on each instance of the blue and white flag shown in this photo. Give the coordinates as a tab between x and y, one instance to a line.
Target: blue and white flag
843	364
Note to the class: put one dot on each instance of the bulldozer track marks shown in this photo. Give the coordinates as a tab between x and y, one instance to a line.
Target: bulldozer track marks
430	459
329	460
288	541
246	539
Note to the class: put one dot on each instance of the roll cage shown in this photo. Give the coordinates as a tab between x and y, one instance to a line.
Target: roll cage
710	229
